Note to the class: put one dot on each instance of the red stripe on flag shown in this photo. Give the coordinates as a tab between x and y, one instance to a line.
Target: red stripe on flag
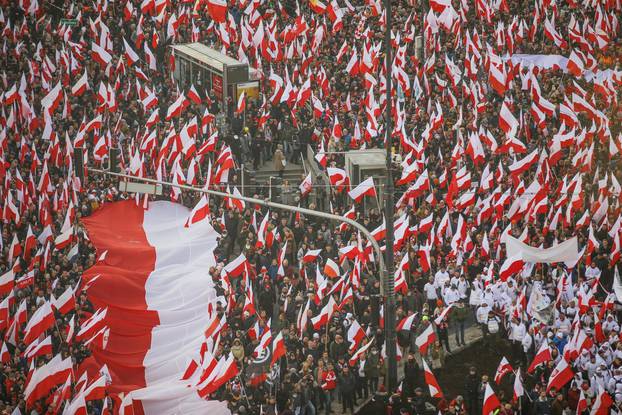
118	229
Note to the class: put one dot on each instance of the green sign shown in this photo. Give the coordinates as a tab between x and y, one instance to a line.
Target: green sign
69	22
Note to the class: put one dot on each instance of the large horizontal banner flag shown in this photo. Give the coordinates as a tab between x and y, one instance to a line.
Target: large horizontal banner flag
155	285
566	251
557	62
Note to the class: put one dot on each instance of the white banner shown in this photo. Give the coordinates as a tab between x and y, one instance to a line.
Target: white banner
561	62
566	252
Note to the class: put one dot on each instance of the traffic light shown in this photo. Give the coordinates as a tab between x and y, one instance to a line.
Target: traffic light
276	184
113	163
78	163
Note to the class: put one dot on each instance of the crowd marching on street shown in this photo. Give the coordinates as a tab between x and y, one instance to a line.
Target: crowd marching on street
507	129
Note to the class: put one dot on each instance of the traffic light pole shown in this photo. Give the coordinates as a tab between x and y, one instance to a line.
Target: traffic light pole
389	280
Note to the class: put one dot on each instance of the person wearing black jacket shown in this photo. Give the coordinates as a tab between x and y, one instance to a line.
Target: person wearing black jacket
411	373
471	391
481	392
347	386
418	402
542	405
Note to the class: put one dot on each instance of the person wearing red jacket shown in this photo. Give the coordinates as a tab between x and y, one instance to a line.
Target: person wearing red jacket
328	385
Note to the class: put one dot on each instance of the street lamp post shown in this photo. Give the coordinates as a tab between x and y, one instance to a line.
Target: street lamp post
252	200
388	273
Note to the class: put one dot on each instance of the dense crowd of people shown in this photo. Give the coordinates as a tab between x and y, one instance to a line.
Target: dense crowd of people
495	134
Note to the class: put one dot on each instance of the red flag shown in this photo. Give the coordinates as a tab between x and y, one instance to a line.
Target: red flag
217	9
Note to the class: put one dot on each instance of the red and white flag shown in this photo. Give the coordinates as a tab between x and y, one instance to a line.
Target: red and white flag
311	255
241	103
510	267
154	268
582	404
561	375
100	55
227	370
92	325
407	322
503	369
217	10
365	188
325	314
443	314
278	348
176	108
507	121
491	402
236	267
430	379
80	86
130	55
7	281
199	213
355	335
39	322
425	339
602	402
331	269
543	356
45	377
355	357
194	96
39	348
52	100
306	186
66	302
519	390
5	356
575	64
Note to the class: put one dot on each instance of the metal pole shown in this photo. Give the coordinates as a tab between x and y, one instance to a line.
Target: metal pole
388	277
260	202
241	177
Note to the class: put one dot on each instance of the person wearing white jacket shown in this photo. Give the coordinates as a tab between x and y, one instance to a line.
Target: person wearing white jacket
610	325
527	344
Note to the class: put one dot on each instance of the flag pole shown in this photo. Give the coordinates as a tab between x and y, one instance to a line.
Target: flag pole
243	389
326	344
